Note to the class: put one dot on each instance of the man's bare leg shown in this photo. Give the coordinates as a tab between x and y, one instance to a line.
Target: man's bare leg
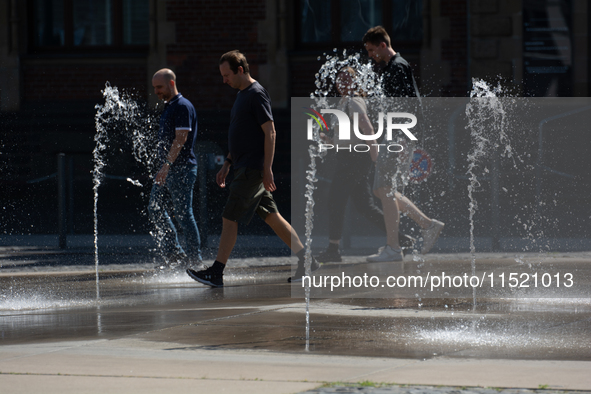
391	217
288	235
214	276
407	206
284	231
227	240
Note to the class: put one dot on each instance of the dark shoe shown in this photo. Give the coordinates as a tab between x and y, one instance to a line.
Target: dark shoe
207	277
300	271
175	261
406	241
330	256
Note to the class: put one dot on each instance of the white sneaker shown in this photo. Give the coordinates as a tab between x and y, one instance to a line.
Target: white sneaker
430	235
385	254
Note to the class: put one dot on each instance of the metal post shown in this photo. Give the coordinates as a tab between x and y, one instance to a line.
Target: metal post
70	195
62	218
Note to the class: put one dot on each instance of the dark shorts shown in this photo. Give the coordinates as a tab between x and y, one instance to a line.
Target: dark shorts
247	196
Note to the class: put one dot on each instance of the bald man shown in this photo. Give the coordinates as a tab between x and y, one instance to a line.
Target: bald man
177	174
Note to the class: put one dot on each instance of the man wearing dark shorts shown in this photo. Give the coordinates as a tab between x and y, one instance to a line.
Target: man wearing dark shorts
251	141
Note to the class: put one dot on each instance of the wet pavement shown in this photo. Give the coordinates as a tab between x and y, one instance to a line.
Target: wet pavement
250	336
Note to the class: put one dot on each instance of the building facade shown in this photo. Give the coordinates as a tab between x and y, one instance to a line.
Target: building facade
57	55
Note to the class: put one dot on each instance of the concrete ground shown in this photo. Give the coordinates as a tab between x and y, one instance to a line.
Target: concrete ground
142	331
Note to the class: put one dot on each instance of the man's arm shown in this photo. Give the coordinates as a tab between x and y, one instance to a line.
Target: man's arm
178	143
269	130
220	177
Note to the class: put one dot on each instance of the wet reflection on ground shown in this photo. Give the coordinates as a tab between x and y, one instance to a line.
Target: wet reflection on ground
256	311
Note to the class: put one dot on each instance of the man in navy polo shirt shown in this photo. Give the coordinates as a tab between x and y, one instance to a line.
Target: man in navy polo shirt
176	137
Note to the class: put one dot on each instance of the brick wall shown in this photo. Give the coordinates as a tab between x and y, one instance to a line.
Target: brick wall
454	49
303	78
203	34
79	82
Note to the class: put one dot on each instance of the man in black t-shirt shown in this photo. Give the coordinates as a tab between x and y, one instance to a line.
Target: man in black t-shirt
397	77
397	81
251	141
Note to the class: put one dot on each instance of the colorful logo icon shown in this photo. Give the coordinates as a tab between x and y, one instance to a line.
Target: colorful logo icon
317	118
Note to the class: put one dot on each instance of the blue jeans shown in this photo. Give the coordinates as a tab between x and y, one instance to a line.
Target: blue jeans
179	182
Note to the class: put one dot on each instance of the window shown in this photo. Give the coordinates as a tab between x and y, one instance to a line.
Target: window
358	16
49	23
316	26
86	24
548	48
92	22
135	22
323	22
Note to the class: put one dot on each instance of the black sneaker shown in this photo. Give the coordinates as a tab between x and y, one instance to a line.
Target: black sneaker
207	277
300	271
330	256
